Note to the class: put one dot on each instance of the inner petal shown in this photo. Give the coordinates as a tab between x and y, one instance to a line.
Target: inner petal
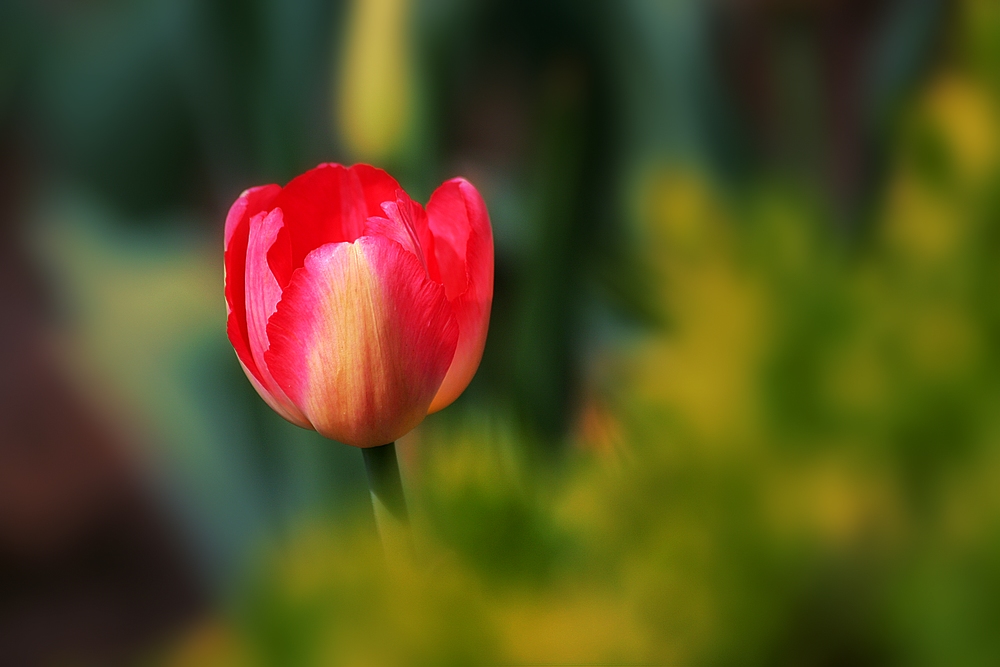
405	222
328	204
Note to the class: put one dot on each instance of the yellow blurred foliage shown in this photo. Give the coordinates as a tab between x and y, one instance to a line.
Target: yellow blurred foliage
835	500
705	367
920	223
967	118
375	96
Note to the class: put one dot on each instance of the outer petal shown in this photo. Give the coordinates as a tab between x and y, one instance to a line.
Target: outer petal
237	234
463	243
262	296
329	204
361	340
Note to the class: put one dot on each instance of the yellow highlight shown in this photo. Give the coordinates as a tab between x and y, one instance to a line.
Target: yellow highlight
366	382
376	91
706	366
921	225
967	119
341	392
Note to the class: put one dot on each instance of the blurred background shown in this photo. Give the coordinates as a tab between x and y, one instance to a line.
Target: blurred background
740	401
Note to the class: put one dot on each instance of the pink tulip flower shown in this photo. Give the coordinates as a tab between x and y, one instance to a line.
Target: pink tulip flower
353	310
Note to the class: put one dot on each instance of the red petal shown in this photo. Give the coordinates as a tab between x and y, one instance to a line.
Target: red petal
463	239
406	224
361	340
328	204
262	296
237	233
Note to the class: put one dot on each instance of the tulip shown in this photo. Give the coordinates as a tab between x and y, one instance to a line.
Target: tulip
354	310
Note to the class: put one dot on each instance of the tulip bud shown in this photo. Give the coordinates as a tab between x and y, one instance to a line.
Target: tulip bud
352	309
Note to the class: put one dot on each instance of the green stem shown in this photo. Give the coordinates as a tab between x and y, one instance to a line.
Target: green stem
388	501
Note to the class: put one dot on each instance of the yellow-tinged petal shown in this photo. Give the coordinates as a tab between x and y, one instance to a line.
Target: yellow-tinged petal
361	340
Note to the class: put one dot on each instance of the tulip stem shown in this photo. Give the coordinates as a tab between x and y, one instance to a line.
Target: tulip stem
388	500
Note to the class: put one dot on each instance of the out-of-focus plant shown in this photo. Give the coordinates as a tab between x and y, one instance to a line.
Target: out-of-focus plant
803	468
375	97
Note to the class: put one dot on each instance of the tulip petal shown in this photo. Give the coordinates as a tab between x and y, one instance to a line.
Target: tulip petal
406	224
262	296
329	204
361	340
237	234
463	244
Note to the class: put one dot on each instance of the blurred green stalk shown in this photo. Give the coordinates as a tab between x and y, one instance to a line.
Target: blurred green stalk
388	501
